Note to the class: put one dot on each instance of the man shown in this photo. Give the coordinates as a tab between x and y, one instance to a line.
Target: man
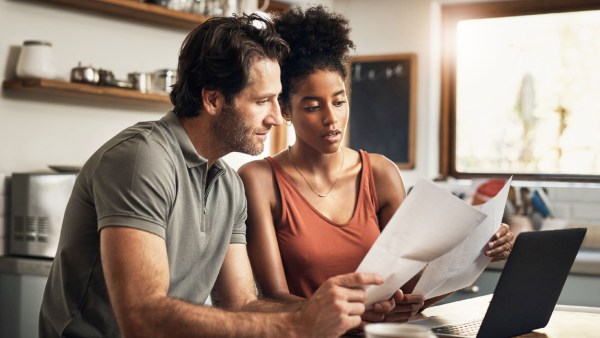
156	220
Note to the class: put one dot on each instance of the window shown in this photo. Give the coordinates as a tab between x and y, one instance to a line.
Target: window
521	90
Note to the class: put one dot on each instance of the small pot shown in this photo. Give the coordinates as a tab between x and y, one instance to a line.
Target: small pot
163	3
140	81
84	74
163	81
106	78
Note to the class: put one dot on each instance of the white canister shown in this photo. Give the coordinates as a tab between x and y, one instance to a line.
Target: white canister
36	60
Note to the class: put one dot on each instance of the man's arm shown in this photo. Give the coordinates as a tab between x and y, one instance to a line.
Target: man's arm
235	290
137	277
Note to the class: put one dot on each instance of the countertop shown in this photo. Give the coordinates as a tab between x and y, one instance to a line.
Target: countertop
587	262
25	265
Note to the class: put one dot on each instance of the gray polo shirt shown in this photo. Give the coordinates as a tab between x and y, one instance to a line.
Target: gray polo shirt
148	177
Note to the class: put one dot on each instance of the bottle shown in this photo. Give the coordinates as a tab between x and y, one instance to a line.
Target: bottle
36	60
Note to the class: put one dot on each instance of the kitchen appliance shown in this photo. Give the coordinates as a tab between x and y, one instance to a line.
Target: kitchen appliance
38	203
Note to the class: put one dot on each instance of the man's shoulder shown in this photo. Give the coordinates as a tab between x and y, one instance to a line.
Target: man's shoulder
144	145
152	136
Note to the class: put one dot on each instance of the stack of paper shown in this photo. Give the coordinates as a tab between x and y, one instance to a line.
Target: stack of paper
435	230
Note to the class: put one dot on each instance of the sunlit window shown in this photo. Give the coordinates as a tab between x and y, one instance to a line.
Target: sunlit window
527	94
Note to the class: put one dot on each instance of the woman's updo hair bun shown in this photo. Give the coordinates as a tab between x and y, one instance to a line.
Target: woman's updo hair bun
318	40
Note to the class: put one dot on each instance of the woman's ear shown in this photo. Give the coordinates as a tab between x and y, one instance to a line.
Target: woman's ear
285	112
212	101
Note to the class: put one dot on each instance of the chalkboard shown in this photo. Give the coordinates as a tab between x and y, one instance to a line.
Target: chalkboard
382	112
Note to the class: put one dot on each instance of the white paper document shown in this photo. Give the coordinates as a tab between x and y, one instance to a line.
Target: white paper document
428	224
461	266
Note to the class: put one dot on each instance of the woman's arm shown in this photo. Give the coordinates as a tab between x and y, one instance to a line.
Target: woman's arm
263	203
390	195
388	186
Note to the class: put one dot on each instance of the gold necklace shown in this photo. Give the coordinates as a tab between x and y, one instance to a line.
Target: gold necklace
305	180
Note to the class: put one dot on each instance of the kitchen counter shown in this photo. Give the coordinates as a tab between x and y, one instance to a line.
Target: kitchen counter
587	262
25	265
581	288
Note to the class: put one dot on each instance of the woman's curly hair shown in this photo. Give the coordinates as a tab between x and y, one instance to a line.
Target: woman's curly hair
318	40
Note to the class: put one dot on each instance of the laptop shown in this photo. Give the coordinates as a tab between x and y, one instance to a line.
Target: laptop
528	289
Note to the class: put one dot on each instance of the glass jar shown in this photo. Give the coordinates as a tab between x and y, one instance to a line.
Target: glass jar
36	60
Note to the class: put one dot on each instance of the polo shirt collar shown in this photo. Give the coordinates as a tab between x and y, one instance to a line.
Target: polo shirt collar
192	158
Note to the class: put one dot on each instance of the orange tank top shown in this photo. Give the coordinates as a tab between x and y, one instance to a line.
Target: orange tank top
313	248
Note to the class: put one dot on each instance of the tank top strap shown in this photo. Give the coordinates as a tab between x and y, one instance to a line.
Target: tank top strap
280	174
286	187
368	181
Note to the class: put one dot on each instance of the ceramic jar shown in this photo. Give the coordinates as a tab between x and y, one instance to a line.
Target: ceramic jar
36	60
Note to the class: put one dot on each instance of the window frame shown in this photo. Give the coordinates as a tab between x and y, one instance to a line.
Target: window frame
452	14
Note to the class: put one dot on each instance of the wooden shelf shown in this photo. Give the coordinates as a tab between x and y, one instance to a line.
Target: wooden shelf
134	9
88	92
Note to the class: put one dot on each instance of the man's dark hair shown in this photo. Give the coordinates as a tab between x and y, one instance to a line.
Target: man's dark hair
318	40
218	55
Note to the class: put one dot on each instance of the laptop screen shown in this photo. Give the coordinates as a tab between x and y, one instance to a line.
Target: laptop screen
531	282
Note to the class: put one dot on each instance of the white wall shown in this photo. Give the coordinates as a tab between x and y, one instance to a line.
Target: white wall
405	26
34	133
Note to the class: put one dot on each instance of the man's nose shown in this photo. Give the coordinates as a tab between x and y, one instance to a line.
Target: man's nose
274	118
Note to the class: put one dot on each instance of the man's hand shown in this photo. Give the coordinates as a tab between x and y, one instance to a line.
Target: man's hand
336	306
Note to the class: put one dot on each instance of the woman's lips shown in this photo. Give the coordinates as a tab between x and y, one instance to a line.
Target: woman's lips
332	135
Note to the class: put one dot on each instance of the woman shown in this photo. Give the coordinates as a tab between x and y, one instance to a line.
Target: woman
315	209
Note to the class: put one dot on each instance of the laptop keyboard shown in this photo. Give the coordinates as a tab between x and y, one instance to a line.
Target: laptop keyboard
464	329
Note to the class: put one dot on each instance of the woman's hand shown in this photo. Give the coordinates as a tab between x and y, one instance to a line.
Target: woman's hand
397	309
500	245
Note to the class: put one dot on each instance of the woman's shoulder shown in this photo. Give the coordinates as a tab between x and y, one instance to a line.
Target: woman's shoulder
388	182
380	164
258	180
256	168
385	171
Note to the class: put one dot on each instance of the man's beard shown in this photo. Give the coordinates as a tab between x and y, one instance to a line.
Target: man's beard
236	135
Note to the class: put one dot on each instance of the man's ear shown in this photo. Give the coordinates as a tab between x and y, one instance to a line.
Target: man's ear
212	101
